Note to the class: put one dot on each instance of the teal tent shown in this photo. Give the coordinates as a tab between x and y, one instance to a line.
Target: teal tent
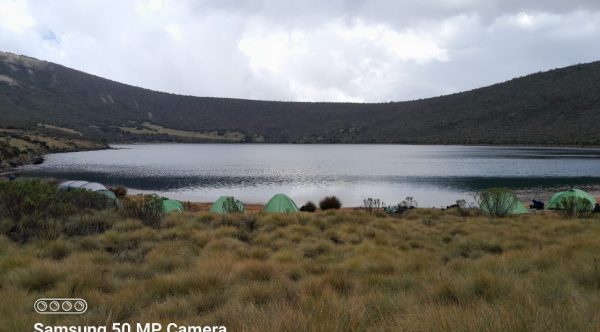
227	204
107	193
583	200
171	205
518	208
280	203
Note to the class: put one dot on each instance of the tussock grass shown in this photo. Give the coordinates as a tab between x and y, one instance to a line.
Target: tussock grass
426	270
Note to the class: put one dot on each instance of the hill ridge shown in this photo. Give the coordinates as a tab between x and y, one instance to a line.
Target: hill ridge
556	107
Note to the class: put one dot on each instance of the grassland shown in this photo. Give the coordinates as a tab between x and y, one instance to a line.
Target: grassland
151	129
60	129
428	270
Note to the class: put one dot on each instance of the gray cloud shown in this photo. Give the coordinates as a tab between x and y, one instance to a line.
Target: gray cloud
350	50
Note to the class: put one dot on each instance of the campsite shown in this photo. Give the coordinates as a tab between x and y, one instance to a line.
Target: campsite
292	166
273	269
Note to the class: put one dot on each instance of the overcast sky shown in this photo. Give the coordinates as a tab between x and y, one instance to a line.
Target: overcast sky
305	50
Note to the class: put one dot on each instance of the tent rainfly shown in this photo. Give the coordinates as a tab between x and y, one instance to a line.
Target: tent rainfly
556	201
91	186
171	205
280	203
224	205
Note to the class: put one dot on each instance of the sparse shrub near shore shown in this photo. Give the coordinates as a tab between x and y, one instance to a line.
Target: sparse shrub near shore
147	208
497	202
465	210
408	203
373	205
309	207
330	203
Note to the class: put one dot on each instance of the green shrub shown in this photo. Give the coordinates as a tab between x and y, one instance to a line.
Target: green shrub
31	198
31	228
85	200
309	207
83	225
574	207
57	249
42	200
498	202
231	206
330	202
147	208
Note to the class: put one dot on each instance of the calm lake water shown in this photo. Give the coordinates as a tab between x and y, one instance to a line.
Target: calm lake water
433	175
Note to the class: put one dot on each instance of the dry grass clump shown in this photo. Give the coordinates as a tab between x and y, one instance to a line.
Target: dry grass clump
425	270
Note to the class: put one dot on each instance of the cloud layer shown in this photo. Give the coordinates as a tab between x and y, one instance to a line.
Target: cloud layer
339	50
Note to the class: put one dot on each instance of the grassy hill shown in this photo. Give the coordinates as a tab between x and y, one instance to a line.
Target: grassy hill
558	107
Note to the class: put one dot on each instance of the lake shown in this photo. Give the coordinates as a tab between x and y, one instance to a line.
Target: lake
434	175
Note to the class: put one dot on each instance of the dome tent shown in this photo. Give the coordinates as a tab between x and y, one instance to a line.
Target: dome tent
91	186
171	205
280	203
517	209
556	201
221	206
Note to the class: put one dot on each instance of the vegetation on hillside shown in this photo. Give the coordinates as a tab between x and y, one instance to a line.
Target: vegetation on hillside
559	107
337	270
18	147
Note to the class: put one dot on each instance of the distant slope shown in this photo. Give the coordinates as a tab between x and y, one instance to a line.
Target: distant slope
559	107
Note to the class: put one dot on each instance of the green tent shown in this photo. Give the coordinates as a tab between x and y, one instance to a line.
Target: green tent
221	206
280	203
107	193
171	205
517	209
555	200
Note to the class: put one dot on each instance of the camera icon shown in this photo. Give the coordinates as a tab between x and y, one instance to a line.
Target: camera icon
60	306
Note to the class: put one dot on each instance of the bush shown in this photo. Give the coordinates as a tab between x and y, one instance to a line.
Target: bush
400	208
408	203
373	205
465	210
85	200
31	198
147	208
119	191
231	205
497	202
330	202
30	228
87	224
574	207
43	200
309	207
